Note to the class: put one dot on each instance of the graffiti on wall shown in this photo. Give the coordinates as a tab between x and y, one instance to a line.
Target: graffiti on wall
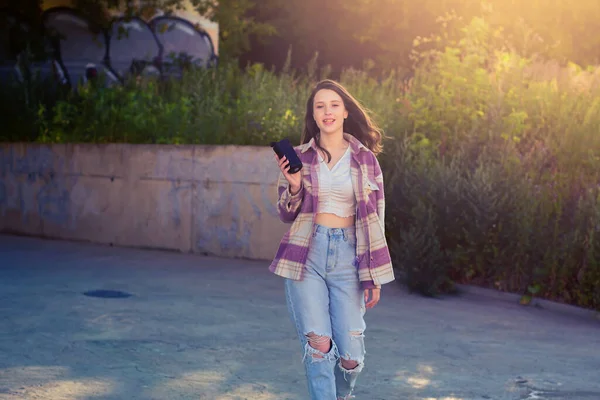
162	45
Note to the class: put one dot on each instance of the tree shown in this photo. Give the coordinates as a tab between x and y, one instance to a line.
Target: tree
236	24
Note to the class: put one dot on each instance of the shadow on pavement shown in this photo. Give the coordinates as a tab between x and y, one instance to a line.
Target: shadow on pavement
208	328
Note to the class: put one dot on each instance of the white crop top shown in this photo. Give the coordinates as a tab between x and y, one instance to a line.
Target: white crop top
336	195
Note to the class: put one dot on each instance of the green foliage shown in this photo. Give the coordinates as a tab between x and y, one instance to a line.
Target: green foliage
378	30
236	26
414	226
498	179
384	30
210	106
491	160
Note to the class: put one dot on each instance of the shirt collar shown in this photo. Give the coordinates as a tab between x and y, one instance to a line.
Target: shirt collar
355	145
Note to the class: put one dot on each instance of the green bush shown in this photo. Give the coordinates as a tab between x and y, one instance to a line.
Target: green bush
226	105
501	168
491	159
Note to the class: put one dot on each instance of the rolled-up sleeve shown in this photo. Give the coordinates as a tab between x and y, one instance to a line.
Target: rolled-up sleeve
288	205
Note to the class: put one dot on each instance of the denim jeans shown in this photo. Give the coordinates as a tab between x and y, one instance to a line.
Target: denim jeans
329	301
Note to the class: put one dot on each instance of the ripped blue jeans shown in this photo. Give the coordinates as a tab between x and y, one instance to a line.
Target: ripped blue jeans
329	303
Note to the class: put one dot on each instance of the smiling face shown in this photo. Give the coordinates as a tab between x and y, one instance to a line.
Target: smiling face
329	112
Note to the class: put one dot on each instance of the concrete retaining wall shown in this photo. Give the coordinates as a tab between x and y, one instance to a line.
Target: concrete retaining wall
218	200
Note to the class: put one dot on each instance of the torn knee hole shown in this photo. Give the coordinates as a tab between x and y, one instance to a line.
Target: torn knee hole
318	340
356	334
349	364
321	343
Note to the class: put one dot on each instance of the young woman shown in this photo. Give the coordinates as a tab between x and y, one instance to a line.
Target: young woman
334	258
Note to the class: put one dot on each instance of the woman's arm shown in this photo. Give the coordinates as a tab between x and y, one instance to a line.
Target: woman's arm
290	192
289	203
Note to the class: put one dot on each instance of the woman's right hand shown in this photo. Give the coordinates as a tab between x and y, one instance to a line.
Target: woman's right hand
295	180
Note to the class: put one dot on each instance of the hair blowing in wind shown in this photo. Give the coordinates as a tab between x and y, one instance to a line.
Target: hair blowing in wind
358	123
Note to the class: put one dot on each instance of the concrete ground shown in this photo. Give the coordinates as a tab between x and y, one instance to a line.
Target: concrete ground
209	328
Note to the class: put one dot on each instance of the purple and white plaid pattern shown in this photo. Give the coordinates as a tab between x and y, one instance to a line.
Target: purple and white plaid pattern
373	256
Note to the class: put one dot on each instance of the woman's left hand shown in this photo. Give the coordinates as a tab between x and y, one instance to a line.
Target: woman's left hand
372	297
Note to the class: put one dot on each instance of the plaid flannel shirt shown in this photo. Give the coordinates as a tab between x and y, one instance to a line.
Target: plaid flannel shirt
372	254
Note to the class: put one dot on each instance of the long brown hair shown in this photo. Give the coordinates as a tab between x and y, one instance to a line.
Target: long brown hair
358	123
